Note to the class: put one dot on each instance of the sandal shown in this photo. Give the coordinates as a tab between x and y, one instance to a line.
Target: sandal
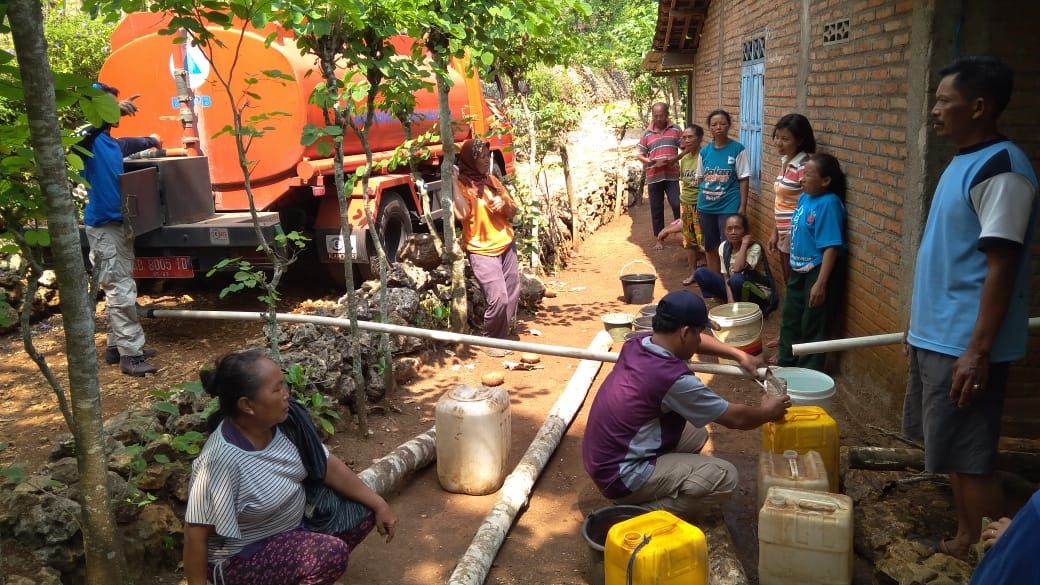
688	281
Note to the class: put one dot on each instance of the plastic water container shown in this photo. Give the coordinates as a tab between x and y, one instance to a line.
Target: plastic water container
473	431
595	528
668	551
791	469
804	429
805	537
740	326
808	387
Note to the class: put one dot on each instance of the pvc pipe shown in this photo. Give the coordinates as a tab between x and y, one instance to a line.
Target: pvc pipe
436	335
865	341
474	565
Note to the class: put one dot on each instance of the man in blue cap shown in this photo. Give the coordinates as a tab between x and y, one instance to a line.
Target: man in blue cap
646	426
111	240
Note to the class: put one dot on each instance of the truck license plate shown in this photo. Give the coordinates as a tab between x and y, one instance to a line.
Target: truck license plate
163	267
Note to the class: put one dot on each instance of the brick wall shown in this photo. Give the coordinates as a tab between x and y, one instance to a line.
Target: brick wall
856	101
1012	37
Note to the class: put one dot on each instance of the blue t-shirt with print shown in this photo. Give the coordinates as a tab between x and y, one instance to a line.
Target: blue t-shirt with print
102	170
817	224
720	187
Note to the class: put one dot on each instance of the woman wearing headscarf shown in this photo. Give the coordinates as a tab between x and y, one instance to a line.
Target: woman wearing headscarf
486	210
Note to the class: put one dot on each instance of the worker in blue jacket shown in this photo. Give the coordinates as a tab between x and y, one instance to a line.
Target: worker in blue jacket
111	239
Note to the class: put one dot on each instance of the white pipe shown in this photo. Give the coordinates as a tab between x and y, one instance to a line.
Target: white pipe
865	341
445	336
475	564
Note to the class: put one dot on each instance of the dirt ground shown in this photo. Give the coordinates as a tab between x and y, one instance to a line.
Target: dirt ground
435	527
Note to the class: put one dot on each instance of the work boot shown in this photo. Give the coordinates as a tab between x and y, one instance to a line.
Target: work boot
134	365
112	354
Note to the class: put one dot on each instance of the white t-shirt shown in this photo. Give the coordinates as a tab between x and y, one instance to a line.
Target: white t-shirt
246	495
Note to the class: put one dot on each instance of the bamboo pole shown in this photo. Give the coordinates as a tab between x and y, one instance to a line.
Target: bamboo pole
444	336
865	341
386	474
474	565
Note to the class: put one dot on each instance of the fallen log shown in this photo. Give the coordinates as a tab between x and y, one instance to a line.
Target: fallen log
387	473
898	459
724	565
475	564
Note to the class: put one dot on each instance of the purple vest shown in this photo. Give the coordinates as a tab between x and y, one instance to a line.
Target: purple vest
630	397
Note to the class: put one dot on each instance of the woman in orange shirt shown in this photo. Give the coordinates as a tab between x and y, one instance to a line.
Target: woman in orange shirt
486	211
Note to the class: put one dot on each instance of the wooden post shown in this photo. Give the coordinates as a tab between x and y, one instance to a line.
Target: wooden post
898	459
474	565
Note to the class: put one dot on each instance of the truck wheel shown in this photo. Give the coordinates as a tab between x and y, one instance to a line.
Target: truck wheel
395	226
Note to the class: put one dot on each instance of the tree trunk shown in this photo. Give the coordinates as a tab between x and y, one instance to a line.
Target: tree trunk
725	567
899	459
102	544
389	381
387	474
536	263
343	192
453	256
566	160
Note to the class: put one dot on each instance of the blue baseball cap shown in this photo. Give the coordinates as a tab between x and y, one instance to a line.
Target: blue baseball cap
685	308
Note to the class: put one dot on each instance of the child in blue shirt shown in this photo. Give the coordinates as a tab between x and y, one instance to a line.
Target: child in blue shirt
817	242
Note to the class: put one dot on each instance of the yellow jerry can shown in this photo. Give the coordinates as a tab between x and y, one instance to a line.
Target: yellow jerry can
666	551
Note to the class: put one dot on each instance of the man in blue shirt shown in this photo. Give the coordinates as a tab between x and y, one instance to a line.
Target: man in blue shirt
968	315
111	241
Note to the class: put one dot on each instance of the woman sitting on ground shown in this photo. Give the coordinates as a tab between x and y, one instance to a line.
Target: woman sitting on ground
250	485
745	269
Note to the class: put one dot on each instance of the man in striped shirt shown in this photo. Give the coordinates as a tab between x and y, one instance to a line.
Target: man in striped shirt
659	153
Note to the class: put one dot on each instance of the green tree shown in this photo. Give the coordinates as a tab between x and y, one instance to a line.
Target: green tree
102	544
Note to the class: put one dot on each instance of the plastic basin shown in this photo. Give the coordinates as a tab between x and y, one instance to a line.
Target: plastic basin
808	387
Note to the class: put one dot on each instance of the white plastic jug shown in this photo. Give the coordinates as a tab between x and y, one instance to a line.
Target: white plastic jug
791	470
804	537
473	432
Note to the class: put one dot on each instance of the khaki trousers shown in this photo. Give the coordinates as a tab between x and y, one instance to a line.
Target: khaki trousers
112	254
684	482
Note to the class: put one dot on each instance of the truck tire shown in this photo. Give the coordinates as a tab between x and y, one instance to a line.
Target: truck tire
395	226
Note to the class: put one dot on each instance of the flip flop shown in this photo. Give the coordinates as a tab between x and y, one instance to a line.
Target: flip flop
687	281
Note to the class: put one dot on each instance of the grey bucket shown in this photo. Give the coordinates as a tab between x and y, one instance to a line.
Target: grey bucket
637	288
648	310
644	323
595	529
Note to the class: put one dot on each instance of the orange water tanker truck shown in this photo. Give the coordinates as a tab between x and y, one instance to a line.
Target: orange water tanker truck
188	207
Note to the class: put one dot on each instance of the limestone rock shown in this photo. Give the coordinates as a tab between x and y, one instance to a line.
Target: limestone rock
531	291
51	519
178	425
420	250
64	470
398	277
911	563
406	369
404	303
154	477
134	425
65	446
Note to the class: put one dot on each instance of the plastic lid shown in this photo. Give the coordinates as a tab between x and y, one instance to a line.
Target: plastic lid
790	454
778	500
464	393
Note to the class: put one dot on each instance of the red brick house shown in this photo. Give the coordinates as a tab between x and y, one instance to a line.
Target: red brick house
863	71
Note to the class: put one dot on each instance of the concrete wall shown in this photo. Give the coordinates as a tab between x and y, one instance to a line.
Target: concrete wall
868	100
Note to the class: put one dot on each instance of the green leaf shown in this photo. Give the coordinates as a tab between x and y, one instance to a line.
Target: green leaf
161	459
327	426
14	474
167	408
